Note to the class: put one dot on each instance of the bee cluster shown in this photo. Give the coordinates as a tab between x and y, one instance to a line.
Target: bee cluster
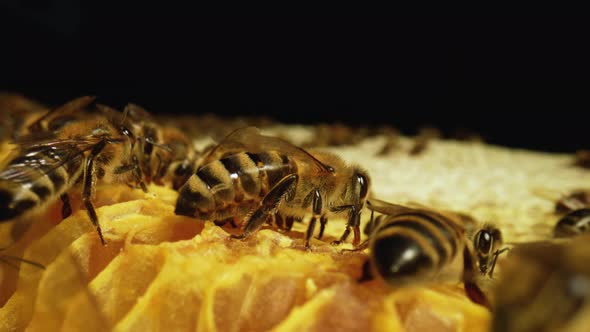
248	180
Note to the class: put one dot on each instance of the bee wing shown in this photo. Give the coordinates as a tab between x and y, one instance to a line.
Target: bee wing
66	109
251	140
62	151
387	208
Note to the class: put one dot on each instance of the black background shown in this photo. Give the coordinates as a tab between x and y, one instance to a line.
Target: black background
520	81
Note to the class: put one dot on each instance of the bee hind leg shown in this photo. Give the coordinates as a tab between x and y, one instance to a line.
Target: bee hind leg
353	224
317	213
323	221
88	185
282	190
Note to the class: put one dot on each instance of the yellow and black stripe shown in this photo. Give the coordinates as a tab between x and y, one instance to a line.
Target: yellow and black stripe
414	245
37	177
236	178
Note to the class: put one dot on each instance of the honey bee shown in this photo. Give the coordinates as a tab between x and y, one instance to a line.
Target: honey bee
418	245
425	135
69	145
574	209
545	286
16	114
574	223
564	203
582	158
254	177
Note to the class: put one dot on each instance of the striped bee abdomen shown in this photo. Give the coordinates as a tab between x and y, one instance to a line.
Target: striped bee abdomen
574	223
218	186
413	246
37	177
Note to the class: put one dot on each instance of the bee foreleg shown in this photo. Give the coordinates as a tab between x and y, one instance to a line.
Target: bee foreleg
290	220
317	213
496	254
66	209
352	224
364	245
269	204
87	190
323	221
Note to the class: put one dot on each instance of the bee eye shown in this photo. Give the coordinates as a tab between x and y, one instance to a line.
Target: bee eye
483	242
363	184
126	132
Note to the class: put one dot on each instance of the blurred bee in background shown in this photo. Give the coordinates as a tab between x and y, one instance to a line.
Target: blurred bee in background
70	145
16	114
574	209
582	158
178	163
577	199
254	178
425	136
545	286
574	223
565	202
418	245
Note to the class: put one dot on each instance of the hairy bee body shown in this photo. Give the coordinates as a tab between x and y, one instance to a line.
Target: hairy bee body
239	181
41	184
254	178
175	166
574	223
415	246
545	286
39	174
66	147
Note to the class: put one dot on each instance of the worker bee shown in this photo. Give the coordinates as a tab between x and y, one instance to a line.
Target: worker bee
574	209
16	114
582	158
424	137
545	286
577	199
418	245
574	223
255	177
565	202
69	145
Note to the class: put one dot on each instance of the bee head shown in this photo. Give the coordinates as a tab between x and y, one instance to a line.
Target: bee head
486	242
362	181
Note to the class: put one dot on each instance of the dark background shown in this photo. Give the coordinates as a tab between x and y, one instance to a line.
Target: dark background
520	81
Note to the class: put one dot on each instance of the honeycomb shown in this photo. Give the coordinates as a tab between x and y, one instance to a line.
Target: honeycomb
160	271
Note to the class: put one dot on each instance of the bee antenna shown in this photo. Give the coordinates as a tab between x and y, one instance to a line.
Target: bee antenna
125	113
5	260
156	144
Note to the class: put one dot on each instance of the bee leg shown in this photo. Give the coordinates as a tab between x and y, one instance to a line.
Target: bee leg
366	275
364	245
472	290
354	225
279	222
225	221
323	221
88	184
496	254
290	220
317	213
270	202
66	209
